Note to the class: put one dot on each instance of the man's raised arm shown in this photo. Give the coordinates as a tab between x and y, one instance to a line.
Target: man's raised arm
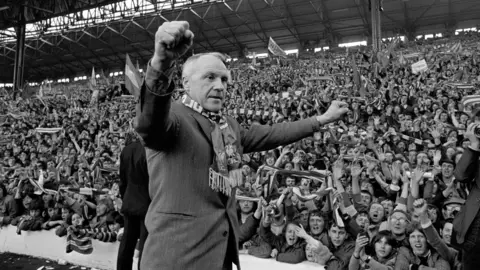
155	123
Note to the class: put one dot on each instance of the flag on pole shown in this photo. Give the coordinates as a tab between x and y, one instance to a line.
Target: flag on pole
132	78
93	80
275	49
104	78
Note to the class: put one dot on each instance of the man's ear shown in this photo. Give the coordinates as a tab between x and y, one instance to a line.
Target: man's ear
185	83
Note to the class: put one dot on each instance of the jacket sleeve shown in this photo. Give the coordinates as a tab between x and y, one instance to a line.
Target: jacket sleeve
13	211
442	264
294	256
264	137
403	259
270	238
123	177
341	258
156	124
248	229
438	244
466	168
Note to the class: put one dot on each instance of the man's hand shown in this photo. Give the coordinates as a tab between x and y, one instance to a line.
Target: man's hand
420	207
274	253
172	40
470	135
336	111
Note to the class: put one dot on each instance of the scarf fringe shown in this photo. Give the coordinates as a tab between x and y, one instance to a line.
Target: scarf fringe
225	184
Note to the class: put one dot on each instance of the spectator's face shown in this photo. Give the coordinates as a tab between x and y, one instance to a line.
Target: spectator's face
387	206
65	214
398	223
290	182
101	209
337	235
382	248
291	235
376	213
115	227
310	252
246	207
316	225
362	221
270	161
77	220
446	232
51	212
207	82
447	170
35	213
418	242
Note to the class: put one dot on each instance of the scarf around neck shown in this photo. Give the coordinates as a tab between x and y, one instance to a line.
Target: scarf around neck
224	173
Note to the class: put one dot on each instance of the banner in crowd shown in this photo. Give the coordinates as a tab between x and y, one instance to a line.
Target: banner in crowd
275	49
132	78
419	66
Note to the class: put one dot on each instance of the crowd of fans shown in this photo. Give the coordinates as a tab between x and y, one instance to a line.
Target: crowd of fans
386	196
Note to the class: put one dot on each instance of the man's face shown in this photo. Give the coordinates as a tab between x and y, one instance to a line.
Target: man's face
418	242
337	235
245	206
376	213
398	223
447	232
290	182
316	224
362	221
207	82
447	169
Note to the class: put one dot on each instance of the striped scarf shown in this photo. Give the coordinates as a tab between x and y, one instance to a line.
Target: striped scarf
79	242
225	173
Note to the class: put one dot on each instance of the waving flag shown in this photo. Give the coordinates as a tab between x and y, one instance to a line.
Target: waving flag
275	49
132	78
93	80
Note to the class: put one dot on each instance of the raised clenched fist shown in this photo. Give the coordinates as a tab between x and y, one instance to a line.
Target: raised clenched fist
172	40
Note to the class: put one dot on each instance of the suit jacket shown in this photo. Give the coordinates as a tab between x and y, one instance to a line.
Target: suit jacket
191	226
134	180
467	170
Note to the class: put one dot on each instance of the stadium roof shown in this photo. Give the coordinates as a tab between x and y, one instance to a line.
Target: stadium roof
101	34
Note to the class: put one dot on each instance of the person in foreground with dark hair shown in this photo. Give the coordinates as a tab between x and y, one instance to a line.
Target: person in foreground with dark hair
194	155
134	192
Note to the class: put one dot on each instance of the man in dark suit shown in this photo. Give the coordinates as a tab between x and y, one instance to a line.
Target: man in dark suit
134	192
194	156
466	225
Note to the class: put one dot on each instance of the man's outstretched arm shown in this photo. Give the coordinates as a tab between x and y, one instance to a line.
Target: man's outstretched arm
155	123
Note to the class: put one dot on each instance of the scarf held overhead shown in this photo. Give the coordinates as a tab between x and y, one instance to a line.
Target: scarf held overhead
225	173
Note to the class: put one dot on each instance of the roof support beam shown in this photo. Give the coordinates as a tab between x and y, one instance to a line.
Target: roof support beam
246	22
231	30
424	12
280	15
50	55
363	16
214	28
114	52
287	9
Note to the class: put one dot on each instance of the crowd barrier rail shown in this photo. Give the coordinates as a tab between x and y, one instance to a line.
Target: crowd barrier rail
45	244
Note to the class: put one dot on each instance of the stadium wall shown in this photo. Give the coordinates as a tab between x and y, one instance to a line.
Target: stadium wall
45	244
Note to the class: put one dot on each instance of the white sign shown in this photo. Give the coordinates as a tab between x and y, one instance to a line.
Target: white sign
419	66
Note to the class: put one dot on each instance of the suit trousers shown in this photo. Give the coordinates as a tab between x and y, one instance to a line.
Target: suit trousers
471	247
134	232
